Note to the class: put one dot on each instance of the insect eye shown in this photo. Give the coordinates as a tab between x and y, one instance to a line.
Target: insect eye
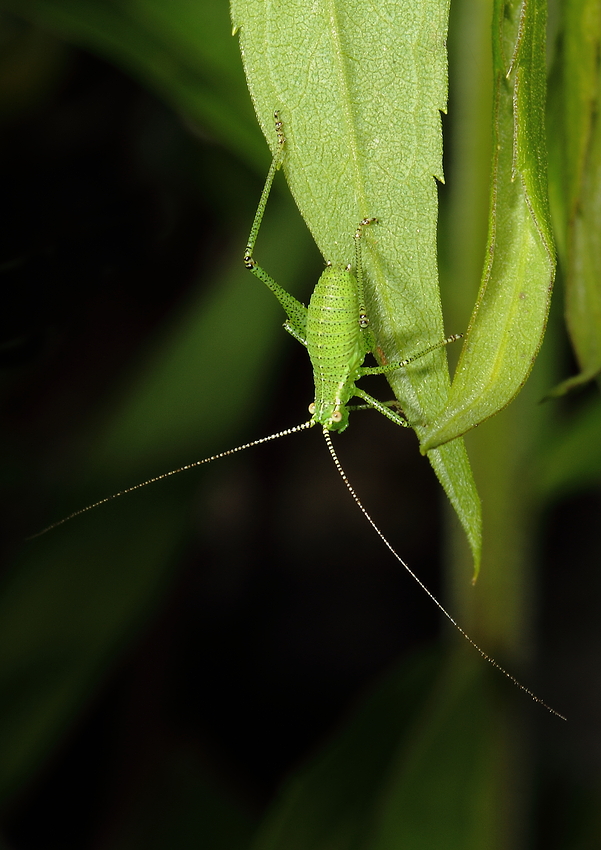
312	408
336	416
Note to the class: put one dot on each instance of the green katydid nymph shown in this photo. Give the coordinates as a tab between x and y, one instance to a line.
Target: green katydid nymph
334	328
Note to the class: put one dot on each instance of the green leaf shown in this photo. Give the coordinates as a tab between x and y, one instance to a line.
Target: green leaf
445	785
67	606
360	90
419	766
576	177
331	801
569	459
508	322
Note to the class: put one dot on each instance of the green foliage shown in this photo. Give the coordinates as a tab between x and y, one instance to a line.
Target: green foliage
575	158
509	319
95	610
390	780
434	757
363	140
187	58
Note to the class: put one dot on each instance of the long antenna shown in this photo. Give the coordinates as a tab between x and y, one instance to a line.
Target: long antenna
164	475
484	655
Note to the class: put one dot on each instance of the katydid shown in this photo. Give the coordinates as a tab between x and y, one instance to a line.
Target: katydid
335	330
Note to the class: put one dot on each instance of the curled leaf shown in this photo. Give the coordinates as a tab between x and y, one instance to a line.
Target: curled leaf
509	319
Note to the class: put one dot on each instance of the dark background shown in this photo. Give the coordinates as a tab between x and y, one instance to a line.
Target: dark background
276	610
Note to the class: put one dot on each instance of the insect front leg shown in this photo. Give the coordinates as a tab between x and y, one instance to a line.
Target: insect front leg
363	319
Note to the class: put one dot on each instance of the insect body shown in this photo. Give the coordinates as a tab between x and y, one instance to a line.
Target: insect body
336	346
334	328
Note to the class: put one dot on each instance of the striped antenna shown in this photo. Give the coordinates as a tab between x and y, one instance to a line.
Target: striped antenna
285	433
484	655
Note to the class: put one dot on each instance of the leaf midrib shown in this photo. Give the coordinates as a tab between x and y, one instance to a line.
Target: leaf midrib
334	30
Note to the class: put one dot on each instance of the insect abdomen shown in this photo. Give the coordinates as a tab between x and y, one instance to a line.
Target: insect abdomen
334	339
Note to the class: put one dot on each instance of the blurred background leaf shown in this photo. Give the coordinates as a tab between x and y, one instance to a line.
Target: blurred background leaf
575	157
183	52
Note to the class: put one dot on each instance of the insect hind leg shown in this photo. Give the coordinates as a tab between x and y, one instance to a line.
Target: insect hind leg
295	311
